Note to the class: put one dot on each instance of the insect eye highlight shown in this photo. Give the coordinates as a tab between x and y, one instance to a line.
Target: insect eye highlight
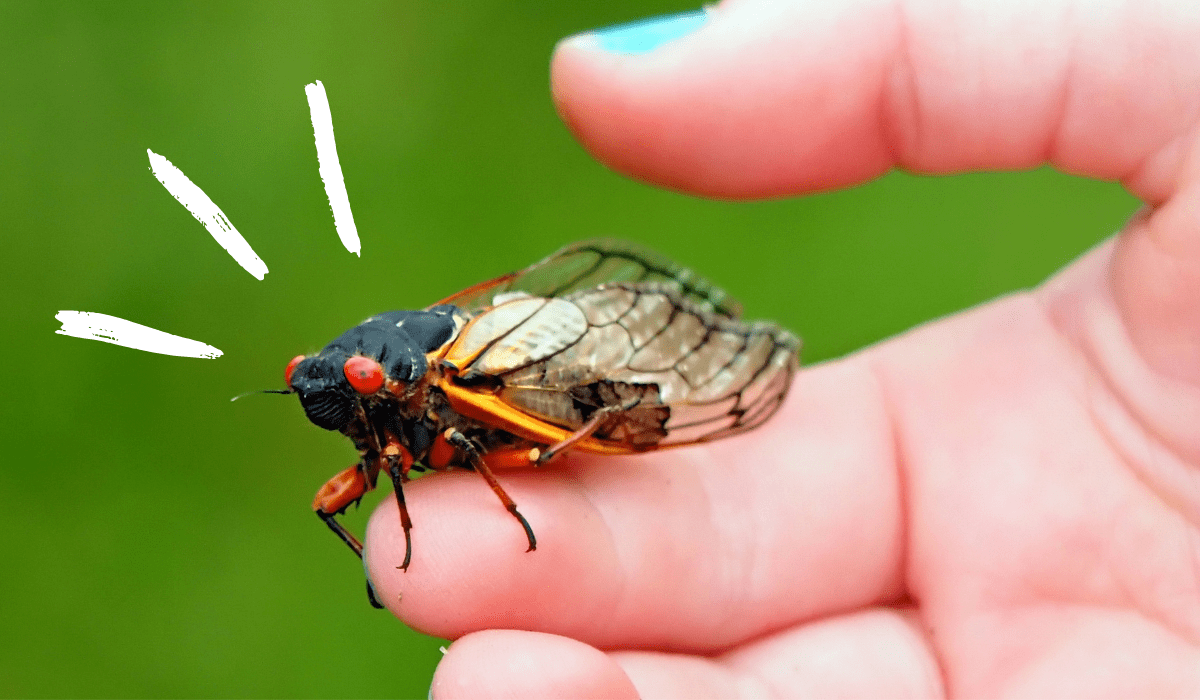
364	374
291	367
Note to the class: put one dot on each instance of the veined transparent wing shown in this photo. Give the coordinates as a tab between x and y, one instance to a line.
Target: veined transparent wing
683	372
589	264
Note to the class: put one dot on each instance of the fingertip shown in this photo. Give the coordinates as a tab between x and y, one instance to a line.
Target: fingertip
470	567
379	545
742	100
518	664
775	97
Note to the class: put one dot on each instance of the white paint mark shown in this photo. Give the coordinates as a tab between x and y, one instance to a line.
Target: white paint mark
330	167
206	212
118	331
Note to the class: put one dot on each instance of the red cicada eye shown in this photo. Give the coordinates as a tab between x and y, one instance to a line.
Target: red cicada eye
364	374
287	373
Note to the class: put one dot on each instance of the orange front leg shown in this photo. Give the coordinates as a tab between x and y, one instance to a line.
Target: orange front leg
347	487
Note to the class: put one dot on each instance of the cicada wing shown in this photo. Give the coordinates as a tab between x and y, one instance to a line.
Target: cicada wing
479	296
589	264
689	373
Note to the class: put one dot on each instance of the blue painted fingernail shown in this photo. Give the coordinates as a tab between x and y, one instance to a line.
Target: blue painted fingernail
643	36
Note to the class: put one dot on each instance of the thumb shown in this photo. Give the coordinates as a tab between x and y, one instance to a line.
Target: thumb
762	98
706	101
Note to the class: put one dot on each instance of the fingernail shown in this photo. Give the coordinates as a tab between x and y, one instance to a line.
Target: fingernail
643	36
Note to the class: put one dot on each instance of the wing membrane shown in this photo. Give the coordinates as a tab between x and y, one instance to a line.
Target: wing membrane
696	374
588	264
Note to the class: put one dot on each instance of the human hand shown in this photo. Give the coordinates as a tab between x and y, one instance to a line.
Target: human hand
1002	503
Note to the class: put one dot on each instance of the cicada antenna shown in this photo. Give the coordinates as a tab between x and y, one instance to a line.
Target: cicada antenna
263	391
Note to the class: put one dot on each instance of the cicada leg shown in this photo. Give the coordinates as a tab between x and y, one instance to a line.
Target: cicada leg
399	461
477	460
512	458
584	431
346	487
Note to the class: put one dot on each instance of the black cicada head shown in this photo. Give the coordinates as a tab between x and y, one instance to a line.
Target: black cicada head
359	363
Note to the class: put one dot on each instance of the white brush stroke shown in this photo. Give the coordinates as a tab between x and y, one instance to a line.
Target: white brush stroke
330	167
206	212
118	331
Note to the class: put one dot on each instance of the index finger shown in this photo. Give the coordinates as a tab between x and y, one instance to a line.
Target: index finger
776	97
691	549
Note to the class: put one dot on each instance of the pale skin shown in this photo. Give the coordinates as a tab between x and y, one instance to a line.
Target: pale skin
1001	503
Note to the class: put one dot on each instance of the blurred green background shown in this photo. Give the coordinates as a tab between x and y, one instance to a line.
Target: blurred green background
159	540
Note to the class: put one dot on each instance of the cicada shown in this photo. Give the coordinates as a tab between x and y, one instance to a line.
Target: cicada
604	347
